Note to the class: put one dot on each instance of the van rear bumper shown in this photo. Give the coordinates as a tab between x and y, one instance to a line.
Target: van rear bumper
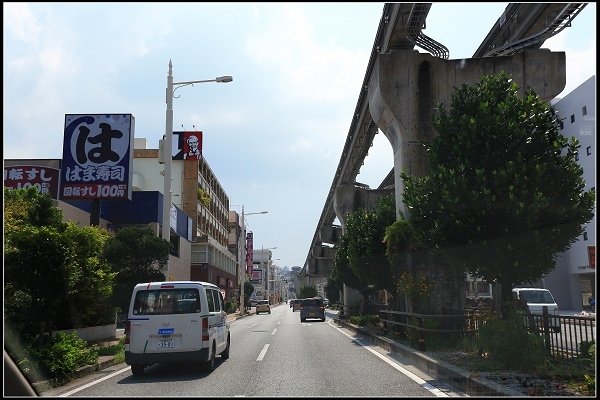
151	358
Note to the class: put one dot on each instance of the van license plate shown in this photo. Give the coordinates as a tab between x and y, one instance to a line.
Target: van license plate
166	343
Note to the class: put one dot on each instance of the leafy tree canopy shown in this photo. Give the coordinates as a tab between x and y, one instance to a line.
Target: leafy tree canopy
365	247
54	278
505	193
136	255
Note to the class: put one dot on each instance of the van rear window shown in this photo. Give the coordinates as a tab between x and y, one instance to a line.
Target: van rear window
312	302
166	301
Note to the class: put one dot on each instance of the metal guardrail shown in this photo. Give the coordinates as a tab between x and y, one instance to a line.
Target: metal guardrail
564	336
569	340
456	324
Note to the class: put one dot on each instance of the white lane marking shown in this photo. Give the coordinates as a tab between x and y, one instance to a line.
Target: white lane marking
274	330
94	382
253	325
437	392
263	352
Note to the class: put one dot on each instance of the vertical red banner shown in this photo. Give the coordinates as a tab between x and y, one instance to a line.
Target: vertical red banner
249	253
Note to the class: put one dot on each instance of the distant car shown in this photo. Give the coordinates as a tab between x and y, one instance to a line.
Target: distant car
312	307
326	302
263	306
295	304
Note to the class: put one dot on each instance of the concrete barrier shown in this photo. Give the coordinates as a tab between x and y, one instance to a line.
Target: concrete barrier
93	333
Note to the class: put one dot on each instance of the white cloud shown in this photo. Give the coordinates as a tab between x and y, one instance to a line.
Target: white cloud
309	70
21	22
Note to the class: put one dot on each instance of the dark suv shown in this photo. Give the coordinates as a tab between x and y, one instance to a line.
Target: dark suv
312	308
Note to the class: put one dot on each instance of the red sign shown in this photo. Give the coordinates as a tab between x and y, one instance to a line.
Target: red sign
192	145
592	256
249	253
44	179
257	276
187	145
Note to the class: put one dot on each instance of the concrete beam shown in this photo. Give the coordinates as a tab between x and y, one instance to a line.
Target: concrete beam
406	85
350	197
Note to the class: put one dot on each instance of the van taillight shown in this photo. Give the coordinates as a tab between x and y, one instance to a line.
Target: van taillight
127	330
204	328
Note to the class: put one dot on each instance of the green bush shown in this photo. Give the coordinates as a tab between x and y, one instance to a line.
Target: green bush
365	320
510	345
587	349
231	307
62	354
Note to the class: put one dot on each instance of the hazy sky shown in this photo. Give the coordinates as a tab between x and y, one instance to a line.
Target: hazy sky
273	136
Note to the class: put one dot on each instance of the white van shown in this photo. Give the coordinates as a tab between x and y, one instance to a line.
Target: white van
176	321
536	299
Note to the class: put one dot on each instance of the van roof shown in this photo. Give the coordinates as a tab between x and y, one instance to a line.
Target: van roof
156	285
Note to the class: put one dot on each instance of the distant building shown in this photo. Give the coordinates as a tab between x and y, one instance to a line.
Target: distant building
193	182
573	280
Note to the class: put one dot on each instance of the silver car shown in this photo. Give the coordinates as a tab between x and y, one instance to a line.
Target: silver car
263	306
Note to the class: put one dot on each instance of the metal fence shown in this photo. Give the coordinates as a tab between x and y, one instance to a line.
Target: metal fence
120	320
563	336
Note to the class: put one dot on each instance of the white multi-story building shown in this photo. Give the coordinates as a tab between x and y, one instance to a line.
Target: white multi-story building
573	280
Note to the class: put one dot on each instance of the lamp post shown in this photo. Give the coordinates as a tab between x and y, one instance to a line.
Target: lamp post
242	271
168	152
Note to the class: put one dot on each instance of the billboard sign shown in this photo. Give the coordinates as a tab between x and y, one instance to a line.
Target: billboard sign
187	145
257	276
97	157
44	179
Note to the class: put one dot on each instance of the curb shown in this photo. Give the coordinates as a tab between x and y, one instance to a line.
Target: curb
470	383
102	363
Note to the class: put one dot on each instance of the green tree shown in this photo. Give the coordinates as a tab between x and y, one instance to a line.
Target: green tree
366	250
504	194
248	290
333	286
307	291
53	277
136	255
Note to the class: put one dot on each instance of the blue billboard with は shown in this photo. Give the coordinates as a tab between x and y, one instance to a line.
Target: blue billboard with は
97	157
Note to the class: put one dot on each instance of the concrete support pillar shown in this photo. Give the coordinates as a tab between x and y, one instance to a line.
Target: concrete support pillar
406	85
349	198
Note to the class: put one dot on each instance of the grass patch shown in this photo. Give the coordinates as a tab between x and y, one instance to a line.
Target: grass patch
115	349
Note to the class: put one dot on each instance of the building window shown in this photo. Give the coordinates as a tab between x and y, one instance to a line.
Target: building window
576	156
584	110
585	236
589	150
562	125
572	118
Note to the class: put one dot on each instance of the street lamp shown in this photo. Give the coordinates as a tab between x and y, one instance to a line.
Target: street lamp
242	271
168	153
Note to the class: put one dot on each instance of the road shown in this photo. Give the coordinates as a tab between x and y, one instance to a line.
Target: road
275	355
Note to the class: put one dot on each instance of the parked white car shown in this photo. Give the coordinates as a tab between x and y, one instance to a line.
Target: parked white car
536	299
